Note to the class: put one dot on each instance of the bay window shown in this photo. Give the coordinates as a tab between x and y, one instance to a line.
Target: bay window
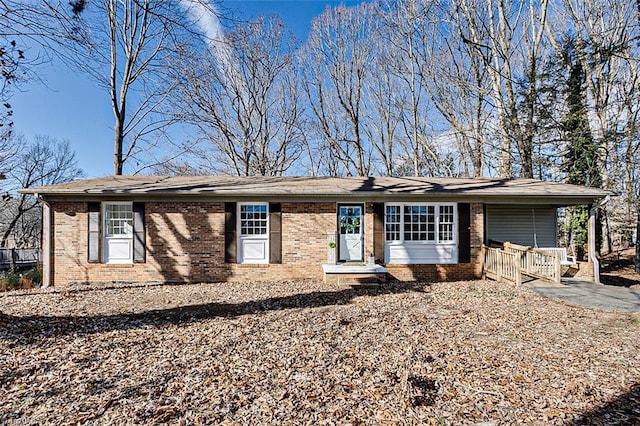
420	233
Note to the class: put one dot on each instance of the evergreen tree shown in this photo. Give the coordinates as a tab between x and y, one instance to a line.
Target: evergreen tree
581	156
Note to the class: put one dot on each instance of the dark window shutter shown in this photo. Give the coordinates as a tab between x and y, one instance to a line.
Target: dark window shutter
378	232
464	233
93	209
275	233
139	236
230	244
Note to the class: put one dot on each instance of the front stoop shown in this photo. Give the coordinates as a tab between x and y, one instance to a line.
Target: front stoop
349	273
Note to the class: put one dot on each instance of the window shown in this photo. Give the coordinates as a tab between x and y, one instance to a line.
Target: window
253	219
253	233
350	217
445	224
118	232
118	219
420	223
392	225
421	233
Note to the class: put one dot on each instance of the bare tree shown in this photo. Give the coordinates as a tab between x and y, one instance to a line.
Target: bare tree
127	47
437	62
44	161
336	60
607	37
242	95
508	38
385	100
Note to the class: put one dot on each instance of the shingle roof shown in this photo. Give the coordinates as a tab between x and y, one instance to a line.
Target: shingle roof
372	188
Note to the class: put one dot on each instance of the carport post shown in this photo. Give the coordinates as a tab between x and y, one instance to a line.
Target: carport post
592	244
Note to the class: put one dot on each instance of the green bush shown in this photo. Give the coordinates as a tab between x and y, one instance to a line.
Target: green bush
23	279
9	280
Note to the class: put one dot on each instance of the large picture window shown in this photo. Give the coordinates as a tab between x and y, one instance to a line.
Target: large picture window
420	222
420	233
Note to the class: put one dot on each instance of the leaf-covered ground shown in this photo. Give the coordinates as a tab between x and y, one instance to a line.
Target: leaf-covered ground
312	353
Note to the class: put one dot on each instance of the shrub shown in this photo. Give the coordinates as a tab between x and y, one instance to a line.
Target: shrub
35	275
9	280
17	280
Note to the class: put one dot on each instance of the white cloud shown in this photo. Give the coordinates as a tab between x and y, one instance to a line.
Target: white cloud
204	15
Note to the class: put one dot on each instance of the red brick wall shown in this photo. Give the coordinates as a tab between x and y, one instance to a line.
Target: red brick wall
185	243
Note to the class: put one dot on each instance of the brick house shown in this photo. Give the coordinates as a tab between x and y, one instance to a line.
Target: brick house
206	229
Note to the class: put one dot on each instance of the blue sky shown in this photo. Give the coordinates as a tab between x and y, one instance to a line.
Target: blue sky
70	106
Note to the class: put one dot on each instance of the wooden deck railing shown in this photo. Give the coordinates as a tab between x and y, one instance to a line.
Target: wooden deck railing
501	265
514	260
10	258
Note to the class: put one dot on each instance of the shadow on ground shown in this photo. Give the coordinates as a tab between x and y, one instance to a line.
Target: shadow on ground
618	269
623	410
26	329
618	280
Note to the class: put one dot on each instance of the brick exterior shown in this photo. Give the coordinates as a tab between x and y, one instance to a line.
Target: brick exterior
185	243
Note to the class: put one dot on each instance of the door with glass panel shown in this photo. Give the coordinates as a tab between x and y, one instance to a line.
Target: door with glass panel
118	232
351	233
253	235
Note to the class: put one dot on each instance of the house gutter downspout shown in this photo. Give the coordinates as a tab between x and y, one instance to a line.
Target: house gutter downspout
46	244
592	239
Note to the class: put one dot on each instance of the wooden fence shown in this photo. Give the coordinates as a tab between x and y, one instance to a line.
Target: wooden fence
12	258
510	263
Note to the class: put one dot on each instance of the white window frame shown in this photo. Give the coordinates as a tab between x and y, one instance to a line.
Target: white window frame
248	244
122	242
437	238
427	251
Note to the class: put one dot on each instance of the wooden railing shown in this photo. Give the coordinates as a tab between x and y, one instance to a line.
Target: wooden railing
501	265
514	260
536	262
23	257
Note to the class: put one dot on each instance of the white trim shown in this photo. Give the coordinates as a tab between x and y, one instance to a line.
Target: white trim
46	245
117	243
422	251
256	244
344	254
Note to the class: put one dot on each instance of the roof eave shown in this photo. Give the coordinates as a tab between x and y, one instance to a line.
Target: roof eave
554	199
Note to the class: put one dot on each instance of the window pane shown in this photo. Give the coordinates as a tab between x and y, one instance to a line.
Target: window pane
392	223
118	220
253	219
445	227
418	219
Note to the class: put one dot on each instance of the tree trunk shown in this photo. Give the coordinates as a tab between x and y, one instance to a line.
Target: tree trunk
117	149
636	259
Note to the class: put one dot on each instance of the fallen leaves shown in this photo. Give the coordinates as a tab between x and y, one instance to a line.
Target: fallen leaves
311	353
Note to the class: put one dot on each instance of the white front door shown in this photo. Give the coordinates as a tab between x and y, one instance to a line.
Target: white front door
351	229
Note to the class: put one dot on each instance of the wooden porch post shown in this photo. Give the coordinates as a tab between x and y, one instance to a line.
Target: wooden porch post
592	244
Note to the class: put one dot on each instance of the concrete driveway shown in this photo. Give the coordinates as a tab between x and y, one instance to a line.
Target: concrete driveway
587	293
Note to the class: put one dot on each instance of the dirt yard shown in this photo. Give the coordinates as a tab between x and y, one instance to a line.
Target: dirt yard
308	353
618	269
